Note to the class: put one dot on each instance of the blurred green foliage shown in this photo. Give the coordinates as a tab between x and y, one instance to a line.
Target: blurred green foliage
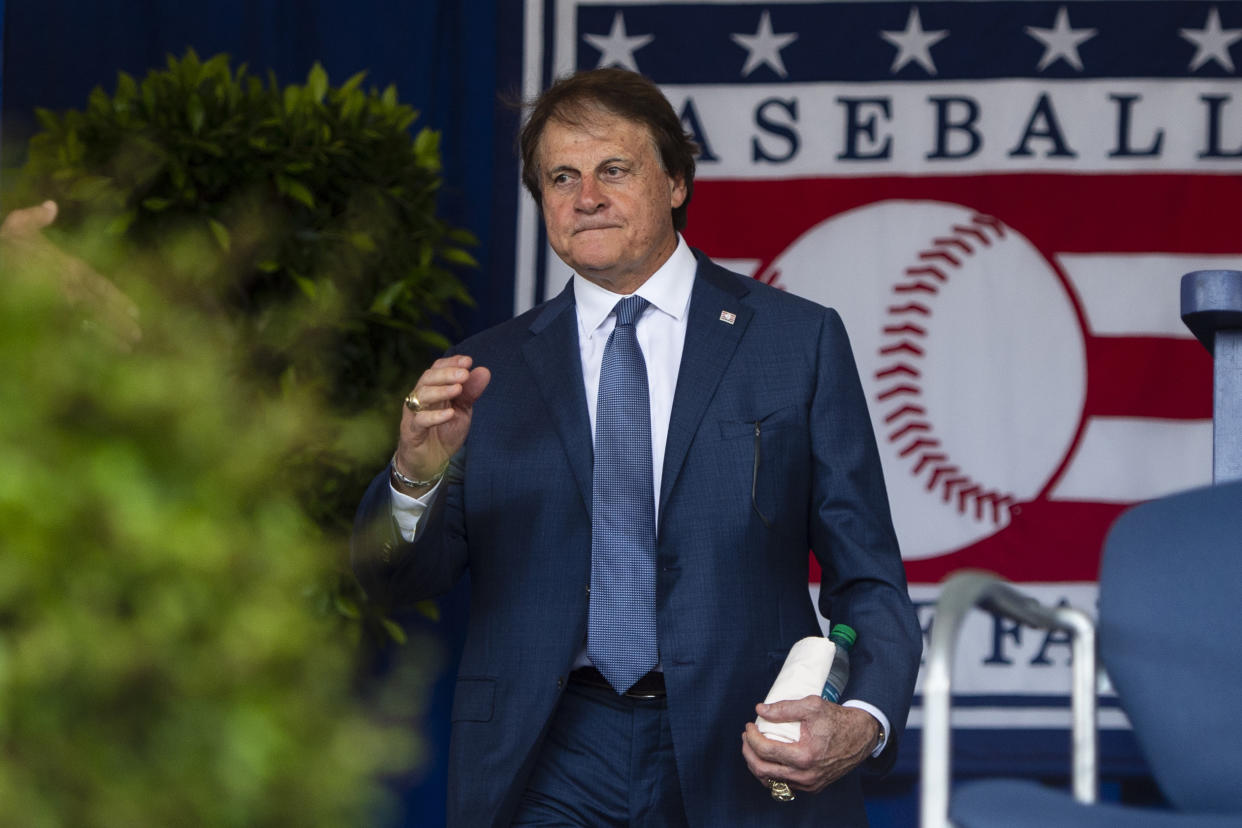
178	627
165	656
315	211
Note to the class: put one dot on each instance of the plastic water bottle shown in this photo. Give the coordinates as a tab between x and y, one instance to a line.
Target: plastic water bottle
839	674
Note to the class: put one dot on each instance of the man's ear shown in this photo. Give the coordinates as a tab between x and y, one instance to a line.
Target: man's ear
678	193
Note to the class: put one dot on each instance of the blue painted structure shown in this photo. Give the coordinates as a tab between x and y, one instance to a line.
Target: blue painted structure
1212	309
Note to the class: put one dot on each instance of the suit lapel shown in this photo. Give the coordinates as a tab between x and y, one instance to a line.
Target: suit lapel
552	355
712	336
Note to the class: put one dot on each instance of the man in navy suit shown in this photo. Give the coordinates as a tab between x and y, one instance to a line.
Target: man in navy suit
758	447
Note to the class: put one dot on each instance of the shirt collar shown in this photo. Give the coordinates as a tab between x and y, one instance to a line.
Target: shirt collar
668	289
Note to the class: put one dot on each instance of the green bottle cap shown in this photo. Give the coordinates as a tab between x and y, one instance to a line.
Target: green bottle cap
844	634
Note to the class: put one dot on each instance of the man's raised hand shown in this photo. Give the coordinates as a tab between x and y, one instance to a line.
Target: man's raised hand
436	416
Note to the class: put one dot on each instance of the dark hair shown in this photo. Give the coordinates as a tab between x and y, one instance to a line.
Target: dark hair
621	92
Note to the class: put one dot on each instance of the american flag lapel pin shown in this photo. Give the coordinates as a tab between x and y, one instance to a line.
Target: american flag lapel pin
726	316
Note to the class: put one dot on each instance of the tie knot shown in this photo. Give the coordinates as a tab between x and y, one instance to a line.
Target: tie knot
629	309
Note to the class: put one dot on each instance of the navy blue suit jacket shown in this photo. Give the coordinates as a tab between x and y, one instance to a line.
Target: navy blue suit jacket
732	589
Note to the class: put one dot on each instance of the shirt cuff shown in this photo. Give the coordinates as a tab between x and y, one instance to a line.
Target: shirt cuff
879	717
408	511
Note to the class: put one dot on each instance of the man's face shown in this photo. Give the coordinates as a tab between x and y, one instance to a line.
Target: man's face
607	201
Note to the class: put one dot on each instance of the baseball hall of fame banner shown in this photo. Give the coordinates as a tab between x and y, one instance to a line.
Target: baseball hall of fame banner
1000	199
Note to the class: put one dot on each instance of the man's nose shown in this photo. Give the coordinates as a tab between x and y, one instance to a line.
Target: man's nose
590	195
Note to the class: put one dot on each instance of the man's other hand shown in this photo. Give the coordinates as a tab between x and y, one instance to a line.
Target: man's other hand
834	740
23	246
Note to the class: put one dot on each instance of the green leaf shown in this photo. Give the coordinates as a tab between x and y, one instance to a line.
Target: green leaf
382	303
209	147
119	225
195	113
155	204
268	266
47	119
126	88
350	85
217	68
458	256
352	105
296	190
88	188
427	149
177	176
99	100
362	241
221	233
317	82
346	607
191	70
309	289
433	340
394	630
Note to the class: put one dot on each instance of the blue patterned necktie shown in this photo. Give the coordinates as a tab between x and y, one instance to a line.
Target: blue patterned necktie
621	639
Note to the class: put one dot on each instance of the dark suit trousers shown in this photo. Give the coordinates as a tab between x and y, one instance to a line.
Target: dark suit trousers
607	761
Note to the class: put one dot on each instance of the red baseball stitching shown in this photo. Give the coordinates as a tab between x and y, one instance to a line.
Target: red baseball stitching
911	433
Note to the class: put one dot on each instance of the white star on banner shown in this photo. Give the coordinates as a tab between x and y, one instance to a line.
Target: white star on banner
1061	41
764	46
617	48
1212	42
914	44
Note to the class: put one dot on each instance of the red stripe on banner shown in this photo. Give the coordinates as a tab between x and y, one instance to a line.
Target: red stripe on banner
1133	376
1048	541
1070	534
1171	213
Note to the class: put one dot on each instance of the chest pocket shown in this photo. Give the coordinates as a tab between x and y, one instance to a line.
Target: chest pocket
771	443
786	417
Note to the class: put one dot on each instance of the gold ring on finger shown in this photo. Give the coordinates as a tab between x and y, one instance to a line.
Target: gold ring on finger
780	790
412	403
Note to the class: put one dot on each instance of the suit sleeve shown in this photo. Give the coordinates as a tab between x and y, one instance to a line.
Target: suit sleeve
863	583
395	572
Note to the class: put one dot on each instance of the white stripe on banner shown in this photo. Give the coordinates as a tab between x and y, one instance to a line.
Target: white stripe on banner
1135	295
1112	463
528	218
1009	718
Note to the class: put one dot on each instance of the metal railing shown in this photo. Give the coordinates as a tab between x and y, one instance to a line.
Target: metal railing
961	594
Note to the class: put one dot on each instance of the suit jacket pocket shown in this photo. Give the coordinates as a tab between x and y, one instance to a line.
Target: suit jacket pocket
789	415
474	699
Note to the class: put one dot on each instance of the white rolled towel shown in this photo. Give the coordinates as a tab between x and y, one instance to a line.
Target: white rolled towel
804	673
